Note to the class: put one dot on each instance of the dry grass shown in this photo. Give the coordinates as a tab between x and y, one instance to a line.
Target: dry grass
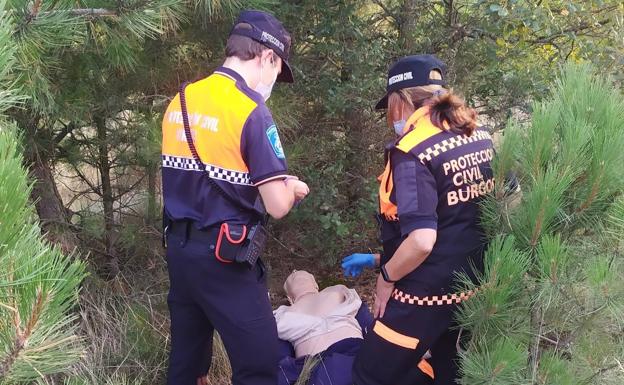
125	329
125	334
125	322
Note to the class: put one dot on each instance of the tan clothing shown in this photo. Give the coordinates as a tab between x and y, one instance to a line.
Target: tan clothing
318	320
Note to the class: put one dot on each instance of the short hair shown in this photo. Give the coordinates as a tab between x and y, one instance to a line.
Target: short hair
243	47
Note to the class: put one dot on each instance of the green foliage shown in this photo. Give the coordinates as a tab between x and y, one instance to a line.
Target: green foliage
497	362
499	303
541	205
118	63
8	92
555	369
38	285
567	297
616	219
331	211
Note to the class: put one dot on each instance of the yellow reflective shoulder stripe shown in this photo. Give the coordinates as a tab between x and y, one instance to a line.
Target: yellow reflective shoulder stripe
395	337
422	131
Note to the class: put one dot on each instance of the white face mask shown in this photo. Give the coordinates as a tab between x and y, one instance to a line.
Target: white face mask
398	126
264	89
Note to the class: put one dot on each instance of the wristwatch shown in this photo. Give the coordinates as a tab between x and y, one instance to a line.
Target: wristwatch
384	274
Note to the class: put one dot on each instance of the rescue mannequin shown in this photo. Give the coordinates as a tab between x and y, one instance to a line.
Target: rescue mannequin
315	320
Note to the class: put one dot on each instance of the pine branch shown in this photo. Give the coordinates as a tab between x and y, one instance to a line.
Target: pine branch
593	192
537	230
18	344
7	363
22	336
36	8
537	322
92	12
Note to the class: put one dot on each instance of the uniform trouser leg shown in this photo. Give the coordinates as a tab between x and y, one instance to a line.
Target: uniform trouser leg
191	343
245	322
444	358
191	330
394	348
233	299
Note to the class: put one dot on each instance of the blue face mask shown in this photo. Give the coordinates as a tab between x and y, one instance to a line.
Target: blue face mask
398	126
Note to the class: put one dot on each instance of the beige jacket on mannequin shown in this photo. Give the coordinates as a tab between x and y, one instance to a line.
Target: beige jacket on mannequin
316	320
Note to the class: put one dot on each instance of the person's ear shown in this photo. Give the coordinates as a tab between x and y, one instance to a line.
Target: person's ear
265	56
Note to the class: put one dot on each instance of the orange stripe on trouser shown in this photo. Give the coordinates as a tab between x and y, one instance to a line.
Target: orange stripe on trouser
404	341
426	368
395	337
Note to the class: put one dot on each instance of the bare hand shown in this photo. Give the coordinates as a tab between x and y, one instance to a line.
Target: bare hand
382	296
300	189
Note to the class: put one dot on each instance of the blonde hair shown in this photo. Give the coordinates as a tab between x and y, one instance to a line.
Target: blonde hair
446	107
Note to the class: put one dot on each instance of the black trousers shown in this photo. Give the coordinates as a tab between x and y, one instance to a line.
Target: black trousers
392	352
207	295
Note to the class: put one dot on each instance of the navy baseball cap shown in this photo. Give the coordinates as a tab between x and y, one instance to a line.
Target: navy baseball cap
412	71
269	31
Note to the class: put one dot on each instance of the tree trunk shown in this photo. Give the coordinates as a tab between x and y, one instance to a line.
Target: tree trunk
107	195
54	217
152	169
407	25
49	205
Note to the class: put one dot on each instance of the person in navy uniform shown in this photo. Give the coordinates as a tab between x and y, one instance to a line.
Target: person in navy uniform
437	171
210	208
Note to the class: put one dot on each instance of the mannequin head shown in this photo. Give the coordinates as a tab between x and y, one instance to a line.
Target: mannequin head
298	284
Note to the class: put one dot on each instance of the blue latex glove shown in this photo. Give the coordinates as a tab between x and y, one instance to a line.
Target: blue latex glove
353	265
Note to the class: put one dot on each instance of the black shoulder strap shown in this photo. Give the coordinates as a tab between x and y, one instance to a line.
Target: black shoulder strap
200	164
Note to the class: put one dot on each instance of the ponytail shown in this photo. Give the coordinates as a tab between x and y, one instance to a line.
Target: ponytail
451	109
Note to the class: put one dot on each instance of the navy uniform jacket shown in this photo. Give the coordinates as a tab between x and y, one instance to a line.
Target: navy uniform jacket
435	180
237	140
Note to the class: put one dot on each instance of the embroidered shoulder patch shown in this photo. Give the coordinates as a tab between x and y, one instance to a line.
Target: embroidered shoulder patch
274	139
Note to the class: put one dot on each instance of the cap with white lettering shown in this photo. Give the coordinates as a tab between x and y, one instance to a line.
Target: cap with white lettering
412	71
266	29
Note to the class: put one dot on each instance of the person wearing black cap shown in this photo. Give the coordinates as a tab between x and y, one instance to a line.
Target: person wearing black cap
437	171
224	170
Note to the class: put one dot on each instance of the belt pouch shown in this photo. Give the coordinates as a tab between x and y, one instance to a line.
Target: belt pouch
231	240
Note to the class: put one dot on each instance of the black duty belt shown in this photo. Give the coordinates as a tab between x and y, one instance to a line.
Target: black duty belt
188	230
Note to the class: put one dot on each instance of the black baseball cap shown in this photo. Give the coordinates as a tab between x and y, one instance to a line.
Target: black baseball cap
269	31
412	71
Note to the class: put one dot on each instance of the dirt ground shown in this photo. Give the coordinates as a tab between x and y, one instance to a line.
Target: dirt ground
325	276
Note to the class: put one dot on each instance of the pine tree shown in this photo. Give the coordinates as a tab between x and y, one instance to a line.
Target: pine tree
85	66
38	284
550	308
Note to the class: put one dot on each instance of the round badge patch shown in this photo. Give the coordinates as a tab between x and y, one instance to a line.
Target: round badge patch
274	139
